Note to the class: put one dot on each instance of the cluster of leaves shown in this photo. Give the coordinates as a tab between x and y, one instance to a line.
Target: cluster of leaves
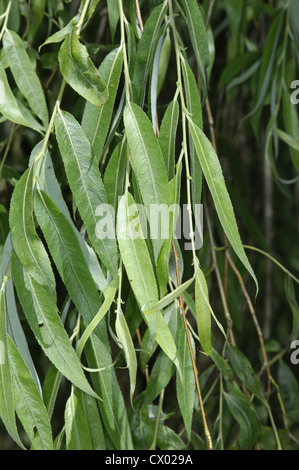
102	106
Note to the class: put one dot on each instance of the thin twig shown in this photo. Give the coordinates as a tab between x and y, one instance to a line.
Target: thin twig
194	367
255	321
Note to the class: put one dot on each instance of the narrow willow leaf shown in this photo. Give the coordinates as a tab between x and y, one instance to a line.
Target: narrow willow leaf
27	245
147	349
96	119
79	71
140	272
235	67
113	13
198	38
203	316
266	68
240	408
147	47
61	34
291	141
125	339
163	367
169	298
194	107
109	294
50	388
114	176
245	372
112	407
148	165
9	106
36	15
153	94
7	405
160	377
234	11
164	61
49	183
67	255
29	405
41	313
24	75
16	331
83	177
213	174
92	416
76	427
167	136
165	254
185	385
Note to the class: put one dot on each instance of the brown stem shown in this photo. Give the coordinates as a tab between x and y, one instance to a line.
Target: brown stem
255	321
195	371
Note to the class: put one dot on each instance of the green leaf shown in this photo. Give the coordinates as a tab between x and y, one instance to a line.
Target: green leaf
240	408
67	255
24	75
214	177
235	67
114	176
185	385
27	245
9	106
266	68
113	13
92	416
7	405
50	388
199	39
125	339
289	387
163	367
234	11
49	183
61	34
109	294
96	119
36	15
112	407
29	405
146	49
167	137
289	140
194	107
41	313
140	272
148	165
245	372
76	426
79	71
203	315
169	298
83	176
13	321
